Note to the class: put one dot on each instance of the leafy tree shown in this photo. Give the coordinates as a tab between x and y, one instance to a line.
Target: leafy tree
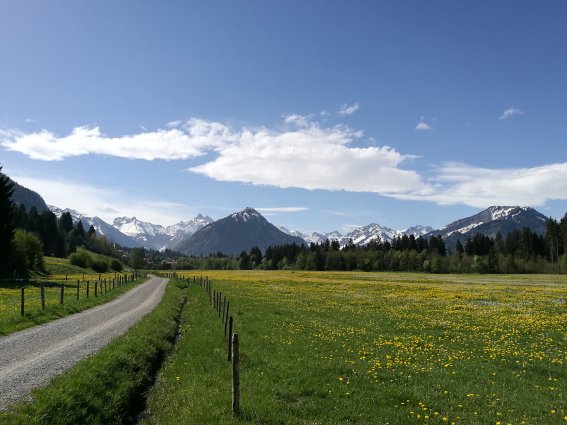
116	265
6	224
137	258
28	253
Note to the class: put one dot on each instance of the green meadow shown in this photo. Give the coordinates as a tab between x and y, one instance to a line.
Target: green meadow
371	348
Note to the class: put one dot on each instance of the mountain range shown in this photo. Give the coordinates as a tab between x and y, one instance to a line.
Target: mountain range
248	228
131	232
361	235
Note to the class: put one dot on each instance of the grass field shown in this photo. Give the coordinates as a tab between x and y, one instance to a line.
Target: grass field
372	348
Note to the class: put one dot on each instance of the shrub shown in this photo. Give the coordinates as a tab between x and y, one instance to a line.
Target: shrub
80	259
116	265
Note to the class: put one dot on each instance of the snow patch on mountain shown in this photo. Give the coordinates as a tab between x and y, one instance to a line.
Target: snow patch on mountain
361	235
136	228
246	215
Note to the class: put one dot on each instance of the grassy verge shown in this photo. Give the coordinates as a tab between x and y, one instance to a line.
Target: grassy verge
193	387
109	387
373	348
12	321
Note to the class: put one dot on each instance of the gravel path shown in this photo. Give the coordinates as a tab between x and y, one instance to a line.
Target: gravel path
30	358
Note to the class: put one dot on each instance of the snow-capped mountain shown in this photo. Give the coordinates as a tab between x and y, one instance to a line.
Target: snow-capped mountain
101	227
417	230
157	236
503	219
371	232
235	233
181	230
131	232
147	234
313	237
361	235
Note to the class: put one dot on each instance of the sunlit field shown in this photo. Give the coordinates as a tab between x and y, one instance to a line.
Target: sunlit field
373	348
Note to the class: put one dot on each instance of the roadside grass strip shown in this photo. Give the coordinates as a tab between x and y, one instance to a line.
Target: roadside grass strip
108	387
372	348
11	319
194	385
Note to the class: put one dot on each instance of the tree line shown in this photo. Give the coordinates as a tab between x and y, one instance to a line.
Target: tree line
521	251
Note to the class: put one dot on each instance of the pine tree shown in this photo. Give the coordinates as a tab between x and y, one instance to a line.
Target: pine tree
6	224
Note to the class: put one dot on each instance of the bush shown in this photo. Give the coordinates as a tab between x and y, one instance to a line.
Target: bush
80	259
99	265
116	265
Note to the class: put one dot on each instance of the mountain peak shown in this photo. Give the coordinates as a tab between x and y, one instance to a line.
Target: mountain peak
237	232
247	214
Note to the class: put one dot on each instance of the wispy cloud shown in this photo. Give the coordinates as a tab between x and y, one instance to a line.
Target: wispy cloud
191	140
510	112
281	209
482	187
298	120
423	126
104	203
345	109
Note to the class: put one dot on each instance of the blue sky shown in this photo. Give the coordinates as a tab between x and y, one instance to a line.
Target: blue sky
322	114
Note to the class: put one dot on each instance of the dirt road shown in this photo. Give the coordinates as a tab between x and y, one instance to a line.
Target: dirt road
30	358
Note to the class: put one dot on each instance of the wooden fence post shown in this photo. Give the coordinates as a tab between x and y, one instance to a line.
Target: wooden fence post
78	288
95	288
223	309
22	302
229	337
42	294
61	294
88	284
226	317
235	376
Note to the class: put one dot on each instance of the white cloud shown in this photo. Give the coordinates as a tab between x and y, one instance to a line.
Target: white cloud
268	210
304	155
510	112
104	203
192	140
345	109
423	126
483	187
298	120
311	158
